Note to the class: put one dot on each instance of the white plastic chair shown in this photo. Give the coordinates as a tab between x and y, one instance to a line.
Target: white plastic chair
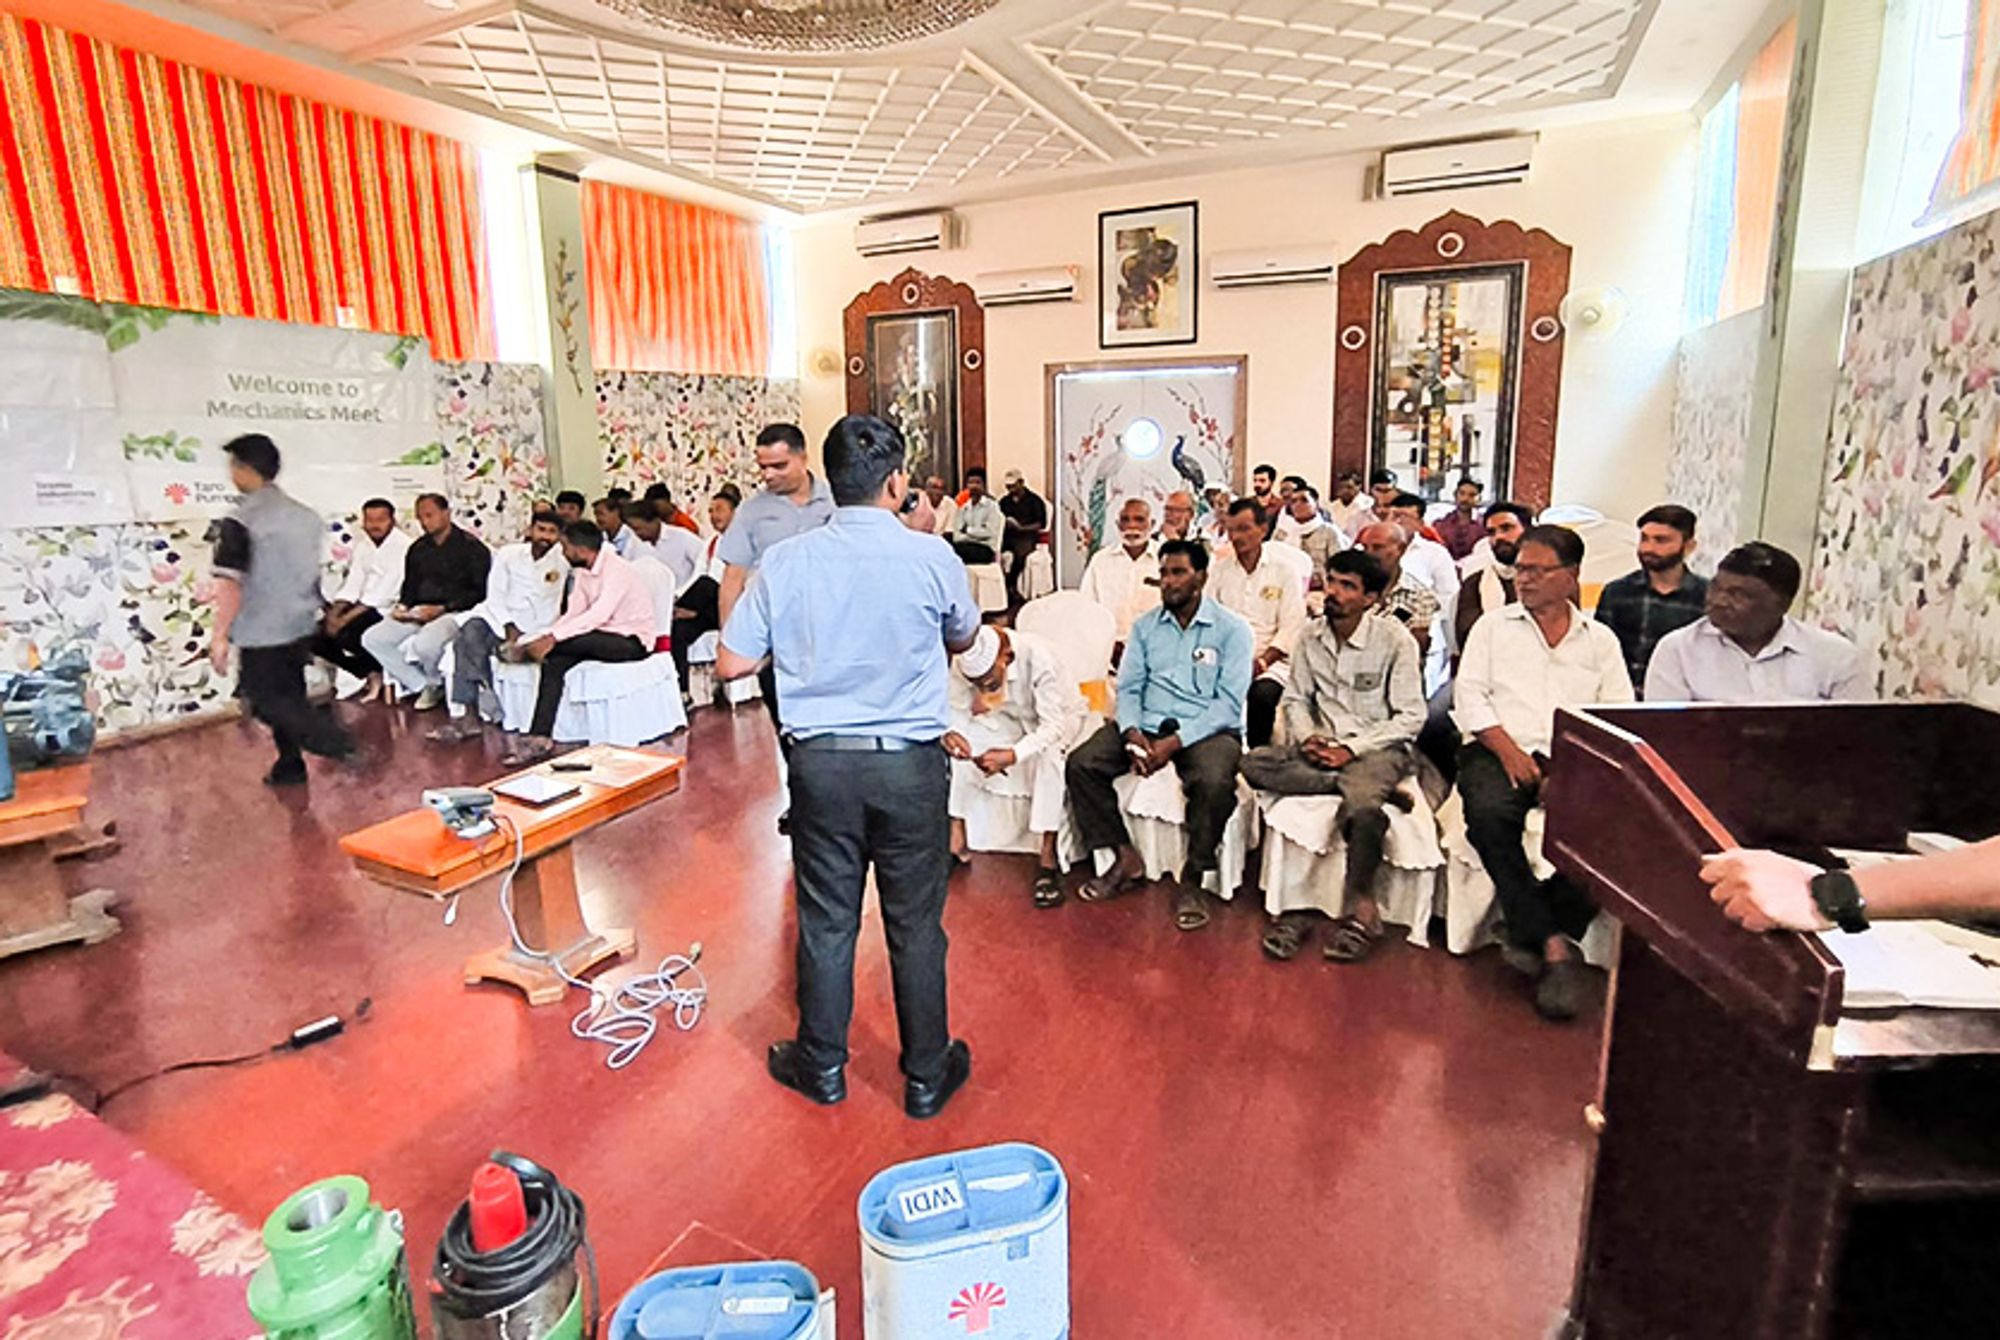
1081	631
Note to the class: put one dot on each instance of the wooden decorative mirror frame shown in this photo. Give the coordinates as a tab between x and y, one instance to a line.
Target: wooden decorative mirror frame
917	302
1450	242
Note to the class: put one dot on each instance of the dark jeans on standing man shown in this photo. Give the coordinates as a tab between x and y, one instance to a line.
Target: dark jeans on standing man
344	648
852	809
1208	779
273	682
700	600
572	651
1496	817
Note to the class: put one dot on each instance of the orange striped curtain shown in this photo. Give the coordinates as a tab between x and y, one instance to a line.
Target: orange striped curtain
1972	166
147	181
674	287
1760	146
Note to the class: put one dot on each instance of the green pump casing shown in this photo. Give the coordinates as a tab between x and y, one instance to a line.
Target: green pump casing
337	1269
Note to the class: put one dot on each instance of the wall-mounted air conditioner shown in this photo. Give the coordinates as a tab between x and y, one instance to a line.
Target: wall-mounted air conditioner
933	231
1272	265
1452	167
1013	288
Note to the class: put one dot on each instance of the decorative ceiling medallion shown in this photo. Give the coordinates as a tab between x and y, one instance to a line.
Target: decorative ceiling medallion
806	25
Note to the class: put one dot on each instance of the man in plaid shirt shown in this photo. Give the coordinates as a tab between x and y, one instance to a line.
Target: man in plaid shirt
1644	606
1407	600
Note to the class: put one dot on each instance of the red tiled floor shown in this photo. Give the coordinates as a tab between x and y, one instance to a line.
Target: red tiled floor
1385	1151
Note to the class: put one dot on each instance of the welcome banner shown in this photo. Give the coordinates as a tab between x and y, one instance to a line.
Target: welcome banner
118	413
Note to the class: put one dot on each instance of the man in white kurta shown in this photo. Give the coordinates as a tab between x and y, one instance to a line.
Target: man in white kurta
1265	582
1015	711
1124	578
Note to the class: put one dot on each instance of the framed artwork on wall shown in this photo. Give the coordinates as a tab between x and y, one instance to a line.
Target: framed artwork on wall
1147	260
913	383
916	356
1142	428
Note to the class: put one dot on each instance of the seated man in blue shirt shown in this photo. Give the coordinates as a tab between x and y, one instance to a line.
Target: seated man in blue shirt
1181	689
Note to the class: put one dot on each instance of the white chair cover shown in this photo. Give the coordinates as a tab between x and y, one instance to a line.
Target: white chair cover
604	702
1155	813
1305	860
1040	578
1471	907
1081	631
701	674
989	587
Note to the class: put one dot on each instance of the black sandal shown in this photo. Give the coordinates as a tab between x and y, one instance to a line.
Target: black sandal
1350	940
1048	888
1190	910
1283	940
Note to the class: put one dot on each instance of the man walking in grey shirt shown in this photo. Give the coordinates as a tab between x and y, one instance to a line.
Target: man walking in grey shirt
267	604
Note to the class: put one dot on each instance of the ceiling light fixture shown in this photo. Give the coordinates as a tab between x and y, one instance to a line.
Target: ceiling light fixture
803	25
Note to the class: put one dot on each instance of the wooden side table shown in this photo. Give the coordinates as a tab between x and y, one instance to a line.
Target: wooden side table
415	851
36	909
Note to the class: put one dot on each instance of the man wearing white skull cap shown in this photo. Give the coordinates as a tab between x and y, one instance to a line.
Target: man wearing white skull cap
1015	711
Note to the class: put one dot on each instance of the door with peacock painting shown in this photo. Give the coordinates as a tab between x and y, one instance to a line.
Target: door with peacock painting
1142	429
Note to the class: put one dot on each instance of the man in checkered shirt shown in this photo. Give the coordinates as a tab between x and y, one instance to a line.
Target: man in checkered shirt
1407	599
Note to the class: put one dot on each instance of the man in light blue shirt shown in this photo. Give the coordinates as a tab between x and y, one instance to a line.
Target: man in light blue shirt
1747	649
977	529
791	502
1181	691
857	619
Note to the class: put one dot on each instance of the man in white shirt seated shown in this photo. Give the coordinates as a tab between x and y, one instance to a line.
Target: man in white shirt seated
1176	517
1350	509
610	618
679	551
1427	560
1014	714
1522	663
1285	526
944	507
1312	534
1252	579
976	532
1124	578
1747	648
373	582
524	591
1354	705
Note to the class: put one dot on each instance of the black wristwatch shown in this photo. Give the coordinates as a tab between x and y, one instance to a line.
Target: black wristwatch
1839	900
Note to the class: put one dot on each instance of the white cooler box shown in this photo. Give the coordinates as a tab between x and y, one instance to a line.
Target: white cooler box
975	1243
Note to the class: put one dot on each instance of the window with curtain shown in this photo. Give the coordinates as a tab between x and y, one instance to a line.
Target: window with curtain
1736	186
129	178
675	287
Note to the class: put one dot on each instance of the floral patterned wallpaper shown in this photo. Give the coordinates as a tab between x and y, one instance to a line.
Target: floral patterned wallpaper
1714	384
1907	560
694	432
138	597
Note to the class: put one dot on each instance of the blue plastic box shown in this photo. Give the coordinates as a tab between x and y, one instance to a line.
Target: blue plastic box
757	1300
975	1243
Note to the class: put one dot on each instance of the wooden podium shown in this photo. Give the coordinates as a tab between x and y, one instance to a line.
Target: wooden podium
415	851
36	828
1770	1166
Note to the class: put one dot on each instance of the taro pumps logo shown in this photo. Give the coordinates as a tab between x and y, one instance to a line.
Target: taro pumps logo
976	1305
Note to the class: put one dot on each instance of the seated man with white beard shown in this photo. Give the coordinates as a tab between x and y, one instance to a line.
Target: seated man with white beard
1014	714
1124	578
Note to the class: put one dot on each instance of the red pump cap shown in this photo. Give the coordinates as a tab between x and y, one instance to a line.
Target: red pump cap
499	1212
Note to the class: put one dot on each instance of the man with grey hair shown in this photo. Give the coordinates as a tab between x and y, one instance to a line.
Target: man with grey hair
1407	600
1177	517
1124	578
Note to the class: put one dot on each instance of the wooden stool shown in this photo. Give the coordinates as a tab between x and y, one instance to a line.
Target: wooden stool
36	909
415	851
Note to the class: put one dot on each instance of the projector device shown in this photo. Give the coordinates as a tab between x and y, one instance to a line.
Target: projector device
466	810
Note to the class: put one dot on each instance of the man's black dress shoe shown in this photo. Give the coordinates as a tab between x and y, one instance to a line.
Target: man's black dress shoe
923	1101
788	1066
286	774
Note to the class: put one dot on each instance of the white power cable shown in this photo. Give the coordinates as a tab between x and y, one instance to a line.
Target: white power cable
623	1017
